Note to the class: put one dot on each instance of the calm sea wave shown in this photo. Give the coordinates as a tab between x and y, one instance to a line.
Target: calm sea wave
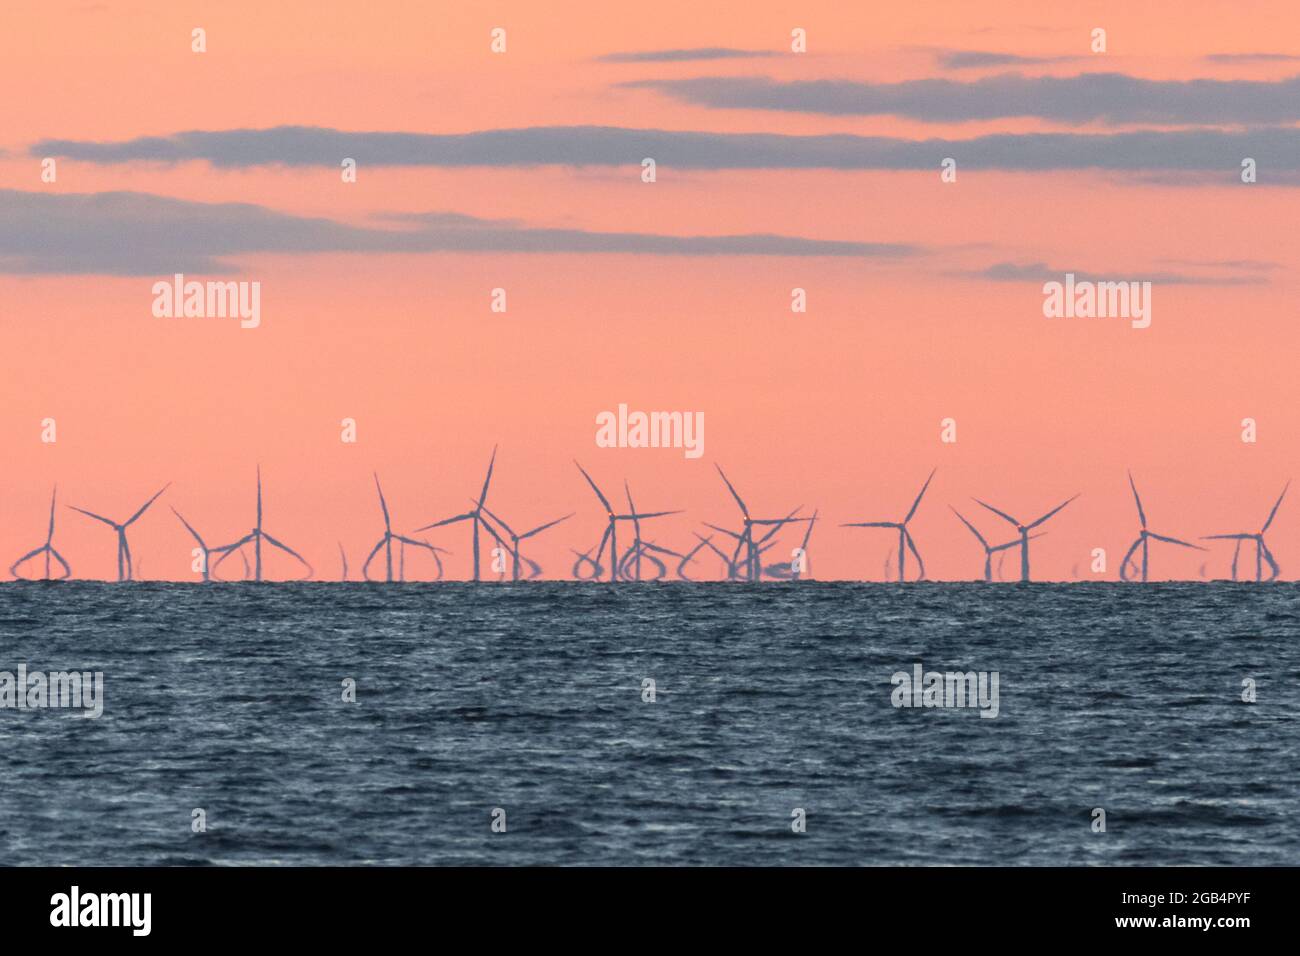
528	698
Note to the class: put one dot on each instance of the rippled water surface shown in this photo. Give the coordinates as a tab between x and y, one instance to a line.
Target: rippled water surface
529	698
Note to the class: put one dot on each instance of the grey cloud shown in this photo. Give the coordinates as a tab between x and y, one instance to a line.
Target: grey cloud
1276	149
684	55
1251	58
976	59
1088	97
1039	272
128	233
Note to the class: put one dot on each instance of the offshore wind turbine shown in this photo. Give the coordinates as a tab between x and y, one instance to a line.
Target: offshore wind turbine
1024	530
256	537
761	545
475	516
990	550
1262	553
46	549
797	575
207	552
639	548
124	567
611	529
904	536
1144	538
515	539
386	543
745	540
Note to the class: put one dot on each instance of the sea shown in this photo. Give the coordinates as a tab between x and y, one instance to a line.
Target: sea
567	723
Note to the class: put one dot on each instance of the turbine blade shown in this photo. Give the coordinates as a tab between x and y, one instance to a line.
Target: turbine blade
731	534
145	507
1035	524
509	530
609	509
1142	515
1273	514
194	534
445	521
285	548
1001	514
91	514
486	481
911	546
743	509
917	503
383	504
549	524
1228	537
1181	544
979	537
652	514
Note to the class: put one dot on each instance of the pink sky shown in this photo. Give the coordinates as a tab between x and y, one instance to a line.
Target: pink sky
837	409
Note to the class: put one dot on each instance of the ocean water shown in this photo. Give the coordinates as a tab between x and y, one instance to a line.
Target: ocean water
528	698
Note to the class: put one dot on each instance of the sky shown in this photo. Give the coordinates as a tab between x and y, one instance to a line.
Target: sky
775	170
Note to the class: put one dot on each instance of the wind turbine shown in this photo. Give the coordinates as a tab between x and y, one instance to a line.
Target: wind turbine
1024	530
256	537
611	529
47	549
1262	553
745	540
990	550
344	556
761	545
124	569
1144	539
516	538
639	548
904	536
475	515
797	575
386	543
207	552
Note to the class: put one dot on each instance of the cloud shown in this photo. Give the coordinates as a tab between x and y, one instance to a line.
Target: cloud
130	233
977	59
1250	58
1089	97
685	55
1038	272
1276	149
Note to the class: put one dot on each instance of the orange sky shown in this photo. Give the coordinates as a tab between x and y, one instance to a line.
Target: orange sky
838	409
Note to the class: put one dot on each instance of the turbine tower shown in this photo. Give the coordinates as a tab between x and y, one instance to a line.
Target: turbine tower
1144	539
46	549
256	537
124	567
990	550
904	536
1024	530
1262	553
475	515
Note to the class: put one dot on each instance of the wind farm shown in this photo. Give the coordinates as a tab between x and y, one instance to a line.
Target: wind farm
633	557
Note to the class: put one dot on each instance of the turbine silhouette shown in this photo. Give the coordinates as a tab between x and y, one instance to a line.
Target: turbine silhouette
610	536
256	537
760	546
1262	553
990	550
386	543
207	552
475	515
47	549
1144	539
125	572
1024	530
745	540
630	566
516	538
904	536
